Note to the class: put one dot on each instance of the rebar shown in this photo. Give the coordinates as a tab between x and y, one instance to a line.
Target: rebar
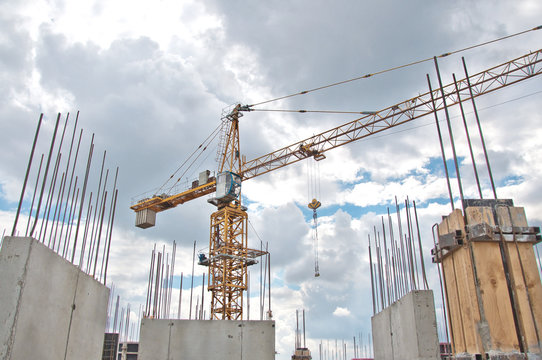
26	175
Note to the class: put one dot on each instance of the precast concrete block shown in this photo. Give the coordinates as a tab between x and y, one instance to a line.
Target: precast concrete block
407	329
50	309
164	339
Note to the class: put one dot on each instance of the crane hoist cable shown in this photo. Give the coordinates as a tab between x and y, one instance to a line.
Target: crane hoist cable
313	191
315	204
392	68
203	145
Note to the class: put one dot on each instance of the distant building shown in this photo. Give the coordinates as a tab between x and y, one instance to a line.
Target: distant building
302	354
445	350
111	342
128	351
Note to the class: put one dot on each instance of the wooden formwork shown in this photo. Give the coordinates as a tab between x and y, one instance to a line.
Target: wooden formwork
492	283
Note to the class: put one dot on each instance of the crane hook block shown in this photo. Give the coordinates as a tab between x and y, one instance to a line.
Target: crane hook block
314	204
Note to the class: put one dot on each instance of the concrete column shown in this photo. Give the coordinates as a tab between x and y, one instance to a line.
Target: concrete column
49	309
407	330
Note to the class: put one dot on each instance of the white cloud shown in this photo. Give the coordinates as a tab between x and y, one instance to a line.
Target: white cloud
341	312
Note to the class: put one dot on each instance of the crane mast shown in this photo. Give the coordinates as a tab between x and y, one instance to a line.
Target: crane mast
229	255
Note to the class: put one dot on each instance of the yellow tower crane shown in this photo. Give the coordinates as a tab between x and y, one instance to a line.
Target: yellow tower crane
229	255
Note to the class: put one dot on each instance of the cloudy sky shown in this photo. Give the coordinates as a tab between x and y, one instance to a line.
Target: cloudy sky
151	81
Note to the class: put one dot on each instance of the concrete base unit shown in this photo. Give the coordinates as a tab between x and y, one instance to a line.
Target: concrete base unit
407	330
49	309
163	339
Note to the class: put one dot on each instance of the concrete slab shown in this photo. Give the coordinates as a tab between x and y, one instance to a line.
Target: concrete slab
47	305
163	339
407	330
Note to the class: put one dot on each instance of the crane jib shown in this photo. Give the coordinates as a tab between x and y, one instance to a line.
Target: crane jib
482	83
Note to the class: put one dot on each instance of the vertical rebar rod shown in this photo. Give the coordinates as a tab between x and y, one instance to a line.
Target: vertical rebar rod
85	233
538	257
149	283
70	187
443	289
394	254
372	280
163	289
83	193
59	153
248	295
422	262
49	201
116	314
202	295
395	274
180	296
450	133
398	265
490	173
412	248
107	231
469	143
73	208
99	234
261	282
45	176
110	235
304	343
297	345
97	211
156	286
26	175
386	258
50	196
264	285
58	203
403	255
437	123
161	282
269	283
378	300
173	256
34	197
64	187
192	281
380	277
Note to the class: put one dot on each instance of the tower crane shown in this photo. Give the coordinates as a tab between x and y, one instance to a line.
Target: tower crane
229	255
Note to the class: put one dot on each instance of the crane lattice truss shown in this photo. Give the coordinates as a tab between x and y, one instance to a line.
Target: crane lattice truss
482	83
227	262
228	252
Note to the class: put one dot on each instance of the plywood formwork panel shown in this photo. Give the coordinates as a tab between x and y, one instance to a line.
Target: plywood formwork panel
495	296
470	314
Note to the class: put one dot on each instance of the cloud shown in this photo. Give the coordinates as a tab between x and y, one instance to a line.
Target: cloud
341	312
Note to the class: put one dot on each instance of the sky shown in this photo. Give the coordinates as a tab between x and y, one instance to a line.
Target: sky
151	81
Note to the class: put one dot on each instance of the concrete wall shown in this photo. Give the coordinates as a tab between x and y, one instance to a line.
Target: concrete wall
49	309
407	330
163	339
